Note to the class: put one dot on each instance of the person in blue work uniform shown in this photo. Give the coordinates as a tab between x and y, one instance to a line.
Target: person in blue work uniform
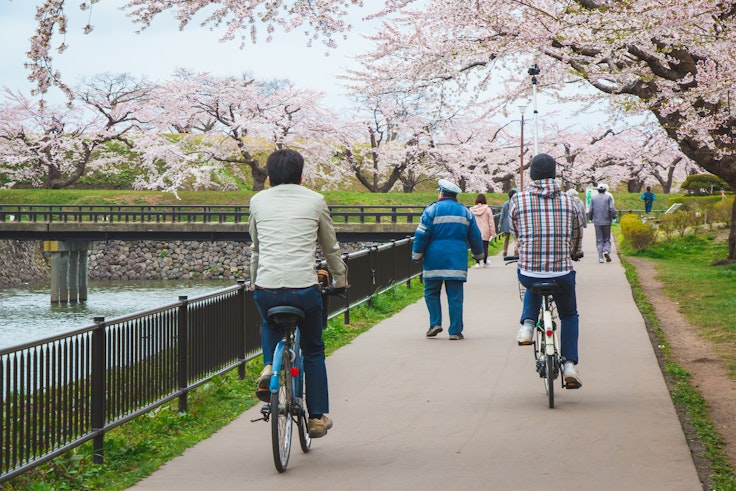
441	242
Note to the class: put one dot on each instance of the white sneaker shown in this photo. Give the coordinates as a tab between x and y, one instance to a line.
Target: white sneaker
477	265
571	375
600	259
524	336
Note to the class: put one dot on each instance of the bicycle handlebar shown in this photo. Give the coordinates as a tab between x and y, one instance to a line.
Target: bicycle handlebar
575	256
334	291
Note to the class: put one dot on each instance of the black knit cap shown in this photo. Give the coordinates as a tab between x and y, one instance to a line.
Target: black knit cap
543	166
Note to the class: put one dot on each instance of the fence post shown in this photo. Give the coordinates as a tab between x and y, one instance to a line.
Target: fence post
98	390
183	354
240	319
374	260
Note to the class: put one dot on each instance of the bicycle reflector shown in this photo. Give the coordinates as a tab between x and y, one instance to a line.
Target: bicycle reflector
294	371
548	333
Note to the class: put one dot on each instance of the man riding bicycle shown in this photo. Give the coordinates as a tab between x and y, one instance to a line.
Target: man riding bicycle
286	223
548	229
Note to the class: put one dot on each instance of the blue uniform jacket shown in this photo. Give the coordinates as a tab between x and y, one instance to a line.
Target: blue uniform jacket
442	239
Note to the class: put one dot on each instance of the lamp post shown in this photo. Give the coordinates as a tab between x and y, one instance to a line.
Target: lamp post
533	72
522	110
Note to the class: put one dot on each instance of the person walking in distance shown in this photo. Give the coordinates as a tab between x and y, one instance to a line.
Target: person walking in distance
504	226
581	208
602	213
548	228
484	219
287	221
441	243
648	197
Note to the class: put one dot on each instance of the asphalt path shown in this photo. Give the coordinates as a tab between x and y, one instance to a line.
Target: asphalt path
420	413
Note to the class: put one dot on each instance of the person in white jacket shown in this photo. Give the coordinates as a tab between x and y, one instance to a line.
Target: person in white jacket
484	219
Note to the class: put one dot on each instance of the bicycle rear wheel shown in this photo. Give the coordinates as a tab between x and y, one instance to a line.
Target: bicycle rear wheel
549	379
281	420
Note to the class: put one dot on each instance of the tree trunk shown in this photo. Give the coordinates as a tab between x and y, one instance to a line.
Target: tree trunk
634	185
259	175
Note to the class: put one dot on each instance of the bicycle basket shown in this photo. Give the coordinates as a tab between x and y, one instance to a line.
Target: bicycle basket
522	291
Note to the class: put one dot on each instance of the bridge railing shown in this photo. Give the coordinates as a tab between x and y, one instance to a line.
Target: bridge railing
194	213
62	391
189	213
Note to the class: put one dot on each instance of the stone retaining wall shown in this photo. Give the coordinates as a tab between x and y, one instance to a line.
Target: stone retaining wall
22	262
138	260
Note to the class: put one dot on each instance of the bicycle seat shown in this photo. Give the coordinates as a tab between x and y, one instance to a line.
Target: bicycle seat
546	288
278	314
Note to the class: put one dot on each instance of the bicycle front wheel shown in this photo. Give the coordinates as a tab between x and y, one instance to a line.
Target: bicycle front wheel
281	420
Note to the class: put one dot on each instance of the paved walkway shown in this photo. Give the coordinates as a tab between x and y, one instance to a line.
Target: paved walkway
432	414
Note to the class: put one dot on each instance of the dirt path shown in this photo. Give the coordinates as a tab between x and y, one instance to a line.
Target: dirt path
699	357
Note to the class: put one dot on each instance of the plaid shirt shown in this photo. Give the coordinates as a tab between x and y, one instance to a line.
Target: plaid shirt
547	226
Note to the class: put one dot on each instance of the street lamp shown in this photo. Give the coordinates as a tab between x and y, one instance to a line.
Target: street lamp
522	110
533	72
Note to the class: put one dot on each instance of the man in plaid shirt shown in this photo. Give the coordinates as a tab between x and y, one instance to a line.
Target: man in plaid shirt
548	229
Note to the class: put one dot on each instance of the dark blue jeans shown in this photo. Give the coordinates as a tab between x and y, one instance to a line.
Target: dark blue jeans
567	309
454	289
313	348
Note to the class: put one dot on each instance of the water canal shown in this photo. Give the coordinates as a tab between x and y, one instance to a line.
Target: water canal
26	313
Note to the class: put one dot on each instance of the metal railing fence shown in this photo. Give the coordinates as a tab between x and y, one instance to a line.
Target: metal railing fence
193	213
189	213
62	391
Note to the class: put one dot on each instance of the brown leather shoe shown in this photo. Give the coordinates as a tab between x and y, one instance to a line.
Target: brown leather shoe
318	426
263	392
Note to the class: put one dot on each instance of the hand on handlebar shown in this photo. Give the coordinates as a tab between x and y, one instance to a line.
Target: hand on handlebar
335	290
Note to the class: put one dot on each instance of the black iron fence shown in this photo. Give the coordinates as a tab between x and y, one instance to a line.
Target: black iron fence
62	391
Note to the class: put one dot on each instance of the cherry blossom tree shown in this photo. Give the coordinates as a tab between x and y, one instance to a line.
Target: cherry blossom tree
674	59
232	121
53	147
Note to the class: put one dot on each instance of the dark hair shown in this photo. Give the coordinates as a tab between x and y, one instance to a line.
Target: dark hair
512	192
285	167
481	198
649	188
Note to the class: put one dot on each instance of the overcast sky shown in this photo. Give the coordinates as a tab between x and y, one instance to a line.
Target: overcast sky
113	46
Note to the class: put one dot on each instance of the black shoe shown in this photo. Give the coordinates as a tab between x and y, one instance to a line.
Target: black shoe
433	331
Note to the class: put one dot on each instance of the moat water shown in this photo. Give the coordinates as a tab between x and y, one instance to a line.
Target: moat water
27	314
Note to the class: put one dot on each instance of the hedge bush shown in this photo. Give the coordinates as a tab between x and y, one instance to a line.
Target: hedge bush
639	234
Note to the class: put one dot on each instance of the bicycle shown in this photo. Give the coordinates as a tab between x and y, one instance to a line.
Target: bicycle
287	404
546	339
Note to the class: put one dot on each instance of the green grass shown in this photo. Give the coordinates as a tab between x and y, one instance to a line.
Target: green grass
136	449
624	201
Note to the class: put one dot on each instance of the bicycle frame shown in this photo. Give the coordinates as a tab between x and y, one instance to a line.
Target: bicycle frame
548	327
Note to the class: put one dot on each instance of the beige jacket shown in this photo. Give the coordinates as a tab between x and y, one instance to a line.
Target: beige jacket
286	223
